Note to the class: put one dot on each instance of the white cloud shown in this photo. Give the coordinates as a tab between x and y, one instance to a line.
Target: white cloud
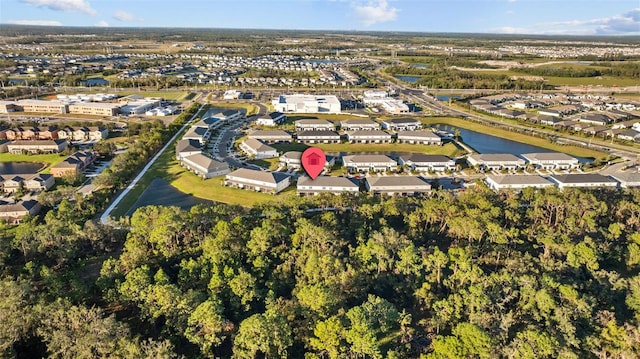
375	11
63	5
102	23
125	16
627	23
35	22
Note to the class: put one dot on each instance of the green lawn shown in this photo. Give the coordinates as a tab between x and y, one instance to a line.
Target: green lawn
448	149
249	107
48	159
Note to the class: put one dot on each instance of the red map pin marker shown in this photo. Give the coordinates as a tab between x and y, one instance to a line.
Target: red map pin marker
313	160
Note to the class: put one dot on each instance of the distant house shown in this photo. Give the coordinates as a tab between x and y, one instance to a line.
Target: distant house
256	149
419	137
583	180
326	184
271	136
496	161
517	182
228	115
551	160
401	124
14	212
317	136
185	148
314	125
397	185
359	125
369	163
423	163
628	135
272	119
368	136
598	119
204	166
260	181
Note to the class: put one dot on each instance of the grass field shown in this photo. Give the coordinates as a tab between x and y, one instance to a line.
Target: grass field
249	107
48	159
514	136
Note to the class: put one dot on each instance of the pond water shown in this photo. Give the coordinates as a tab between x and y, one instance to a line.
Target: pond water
407	78
484	143
11	168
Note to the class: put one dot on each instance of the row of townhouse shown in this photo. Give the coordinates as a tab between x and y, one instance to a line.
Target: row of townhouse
352	136
28	182
51	133
33	146
14	212
275	182
417	162
398	124
581	180
507	161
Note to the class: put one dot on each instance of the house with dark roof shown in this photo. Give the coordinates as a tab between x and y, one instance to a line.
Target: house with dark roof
551	160
326	184
583	180
595	119
30	182
496	161
186	148
73	164
627	179
272	119
419	137
401	124
256	149
260	181
14	212
204	166
424	163
317	136
372	136
397	185
198	133
517	182
369	163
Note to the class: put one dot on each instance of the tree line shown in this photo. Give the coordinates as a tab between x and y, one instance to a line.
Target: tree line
535	274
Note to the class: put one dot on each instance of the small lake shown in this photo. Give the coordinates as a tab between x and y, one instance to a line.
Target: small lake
407	78
447	98
12	168
96	81
421	66
484	143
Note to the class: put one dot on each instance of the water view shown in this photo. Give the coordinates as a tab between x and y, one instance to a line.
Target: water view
407	78
12	168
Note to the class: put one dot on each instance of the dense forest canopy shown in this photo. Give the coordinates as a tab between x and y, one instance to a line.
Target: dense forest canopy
536	274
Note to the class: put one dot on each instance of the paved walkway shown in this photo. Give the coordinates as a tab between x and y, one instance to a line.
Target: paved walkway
105	216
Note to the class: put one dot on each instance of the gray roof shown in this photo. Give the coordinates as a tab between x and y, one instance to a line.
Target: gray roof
327	181
418	134
400	181
495	157
38	142
520	180
313	122
264	176
196	131
207	162
627	177
257	145
368	133
17	207
422	158
583	178
294	155
317	133
359	121
188	145
367	158
269	134
548	156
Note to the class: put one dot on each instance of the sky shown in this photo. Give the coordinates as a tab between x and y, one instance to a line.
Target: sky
551	17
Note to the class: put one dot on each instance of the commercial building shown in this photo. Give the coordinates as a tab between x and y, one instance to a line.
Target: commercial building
301	103
42	106
94	109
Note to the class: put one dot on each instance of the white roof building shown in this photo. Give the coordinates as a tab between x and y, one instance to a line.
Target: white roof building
301	103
